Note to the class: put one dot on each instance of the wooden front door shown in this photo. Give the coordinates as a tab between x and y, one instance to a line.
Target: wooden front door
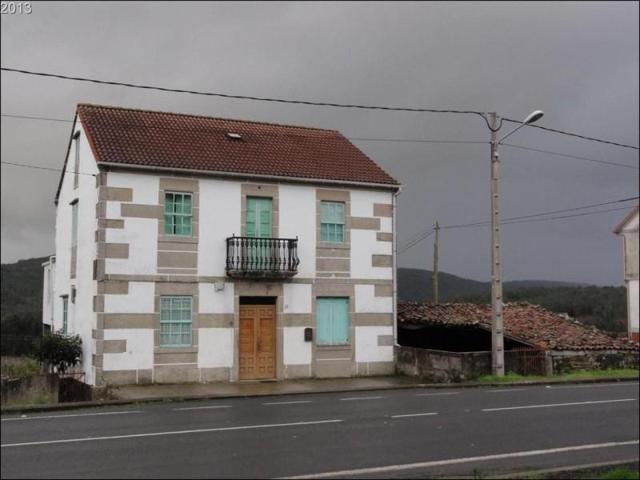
257	342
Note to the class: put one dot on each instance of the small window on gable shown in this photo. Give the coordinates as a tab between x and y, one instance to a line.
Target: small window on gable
178	214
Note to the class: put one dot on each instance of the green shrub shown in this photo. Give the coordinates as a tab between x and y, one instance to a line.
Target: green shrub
60	351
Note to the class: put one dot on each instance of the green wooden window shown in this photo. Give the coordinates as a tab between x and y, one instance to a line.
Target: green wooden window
332	222
65	313
175	321
332	321
74	224
178	213
258	217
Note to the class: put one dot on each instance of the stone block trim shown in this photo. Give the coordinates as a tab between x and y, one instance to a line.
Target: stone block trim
382	260
385	340
187	260
333	252
116	194
74	261
383	290
114	250
297	320
166	357
333	264
113	287
382	210
114	346
372	319
110	223
384	237
364	223
126	320
141	211
215	320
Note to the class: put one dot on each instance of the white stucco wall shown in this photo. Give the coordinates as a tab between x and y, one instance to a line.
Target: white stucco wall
367	302
215	347
632	292
140	299
297	206
297	298
212	301
296	350
367	349
81	318
220	217
364	243
139	354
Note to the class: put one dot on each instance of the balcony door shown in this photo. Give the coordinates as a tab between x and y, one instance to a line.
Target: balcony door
259	222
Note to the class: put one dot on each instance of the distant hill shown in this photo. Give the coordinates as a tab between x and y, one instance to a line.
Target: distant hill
21	287
416	285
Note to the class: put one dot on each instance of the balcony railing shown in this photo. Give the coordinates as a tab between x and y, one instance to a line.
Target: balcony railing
262	257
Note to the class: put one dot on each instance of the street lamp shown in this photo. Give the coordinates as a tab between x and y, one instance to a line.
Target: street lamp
497	324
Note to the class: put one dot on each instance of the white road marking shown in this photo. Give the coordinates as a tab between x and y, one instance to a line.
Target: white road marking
287	403
202	408
42	417
507	390
598	385
435	394
359	398
453	461
414	415
175	432
558	404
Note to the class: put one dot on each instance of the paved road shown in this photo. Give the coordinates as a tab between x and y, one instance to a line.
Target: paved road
384	434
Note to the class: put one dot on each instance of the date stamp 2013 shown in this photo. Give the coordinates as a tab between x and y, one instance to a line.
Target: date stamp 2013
15	8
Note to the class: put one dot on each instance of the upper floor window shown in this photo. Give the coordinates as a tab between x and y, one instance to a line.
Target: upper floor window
332	222
178	213
74	223
65	313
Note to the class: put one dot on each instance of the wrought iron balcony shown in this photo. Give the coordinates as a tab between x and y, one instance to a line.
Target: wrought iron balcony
262	257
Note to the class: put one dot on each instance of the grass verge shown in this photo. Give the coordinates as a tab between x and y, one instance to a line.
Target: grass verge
579	375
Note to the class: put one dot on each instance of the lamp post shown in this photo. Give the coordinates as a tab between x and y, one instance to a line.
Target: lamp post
497	324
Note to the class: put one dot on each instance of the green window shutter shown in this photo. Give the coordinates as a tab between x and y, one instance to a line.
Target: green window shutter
175	321
258	217
332	222
178	214
332	321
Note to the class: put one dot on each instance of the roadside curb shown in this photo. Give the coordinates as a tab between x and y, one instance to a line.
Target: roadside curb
185	398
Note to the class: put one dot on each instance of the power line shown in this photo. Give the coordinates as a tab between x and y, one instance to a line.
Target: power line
584	137
37	167
369	139
298	102
519	219
239	97
571	156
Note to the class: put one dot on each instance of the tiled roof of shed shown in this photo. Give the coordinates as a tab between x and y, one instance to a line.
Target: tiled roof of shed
178	141
524	322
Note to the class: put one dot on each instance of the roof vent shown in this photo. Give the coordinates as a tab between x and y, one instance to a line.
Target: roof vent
234	136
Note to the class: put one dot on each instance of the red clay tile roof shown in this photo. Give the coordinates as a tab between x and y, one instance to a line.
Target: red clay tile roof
524	322
178	141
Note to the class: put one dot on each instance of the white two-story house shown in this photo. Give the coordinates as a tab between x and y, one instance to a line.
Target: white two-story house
197	249
628	230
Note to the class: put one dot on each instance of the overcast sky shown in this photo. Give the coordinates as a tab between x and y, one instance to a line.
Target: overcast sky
577	61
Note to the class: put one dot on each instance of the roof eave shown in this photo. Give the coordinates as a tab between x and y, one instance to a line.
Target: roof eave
238	175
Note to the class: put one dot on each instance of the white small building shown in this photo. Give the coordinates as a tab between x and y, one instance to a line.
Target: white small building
48	302
628	229
198	249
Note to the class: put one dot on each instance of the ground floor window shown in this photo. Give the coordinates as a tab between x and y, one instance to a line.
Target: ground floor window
175	321
332	321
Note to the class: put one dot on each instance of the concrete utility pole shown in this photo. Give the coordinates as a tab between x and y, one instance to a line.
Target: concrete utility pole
497	338
436	296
